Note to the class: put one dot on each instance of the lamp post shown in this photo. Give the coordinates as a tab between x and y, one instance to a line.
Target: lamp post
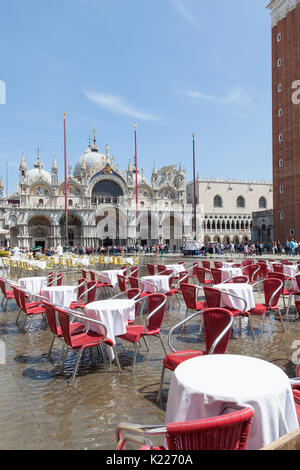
66	188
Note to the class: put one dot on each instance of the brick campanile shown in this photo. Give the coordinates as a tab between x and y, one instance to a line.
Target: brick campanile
286	117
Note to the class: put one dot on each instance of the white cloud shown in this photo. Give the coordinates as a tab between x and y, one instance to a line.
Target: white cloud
238	97
119	105
182	9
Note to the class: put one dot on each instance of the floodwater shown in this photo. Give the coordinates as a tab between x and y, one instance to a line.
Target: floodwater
41	409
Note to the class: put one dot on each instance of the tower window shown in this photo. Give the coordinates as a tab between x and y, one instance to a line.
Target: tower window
280	112
280	137
279	62
278	37
280	163
281	215
281	189
240	202
279	87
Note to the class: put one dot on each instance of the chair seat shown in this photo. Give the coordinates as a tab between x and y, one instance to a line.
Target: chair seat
36	311
77	304
260	309
172	292
76	328
9	296
234	312
171	361
31	305
135	332
87	340
201	306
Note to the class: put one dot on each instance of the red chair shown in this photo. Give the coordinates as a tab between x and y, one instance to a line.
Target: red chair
184	277
161	268
216	275
122	282
283	278
82	284
134	294
30	309
84	273
8	295
218	265
172	290
263	270
214	300
206	264
193	275
278	268
152	325
151	269
201	275
59	279
189	292
272	291
76	328
217	325
240	280
225	432
89	293
136	283
247	262
296	395
253	273
134	271
50	278
83	341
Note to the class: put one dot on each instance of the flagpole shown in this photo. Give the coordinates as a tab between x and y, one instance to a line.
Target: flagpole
66	187
136	175
195	197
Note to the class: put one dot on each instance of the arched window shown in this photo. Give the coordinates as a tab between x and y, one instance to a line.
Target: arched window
240	202
41	202
218	201
70	202
262	203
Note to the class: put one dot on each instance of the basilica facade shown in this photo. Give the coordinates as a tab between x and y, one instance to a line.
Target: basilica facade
102	207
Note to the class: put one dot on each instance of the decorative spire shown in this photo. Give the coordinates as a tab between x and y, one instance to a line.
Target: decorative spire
38	163
83	165
1	183
54	163
107	152
23	162
154	169
129	165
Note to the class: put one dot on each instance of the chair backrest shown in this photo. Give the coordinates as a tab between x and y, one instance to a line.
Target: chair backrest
195	266
183	277
278	267
17	297
59	278
280	277
201	273
92	275
84	273
247	262
51	316
50	278
240	279
151	269
217	275
206	264
64	321
155	321
189	293
82	287
297	279
226	432
218	264
134	283
161	268
263	269
236	265
92	289
134	271
121	282
3	287
133	293
215	322
170	273
213	297
22	300
270	286
253	272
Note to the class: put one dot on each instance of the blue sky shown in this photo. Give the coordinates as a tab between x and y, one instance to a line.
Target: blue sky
173	66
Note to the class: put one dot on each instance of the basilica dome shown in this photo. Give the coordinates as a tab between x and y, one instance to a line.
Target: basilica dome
38	174
91	158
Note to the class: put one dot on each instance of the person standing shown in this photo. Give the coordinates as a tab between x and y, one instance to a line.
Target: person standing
59	250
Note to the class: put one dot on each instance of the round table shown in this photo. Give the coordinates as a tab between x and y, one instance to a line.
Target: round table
208	386
111	276
161	283
60	295
243	290
114	313
229	273
178	268
33	284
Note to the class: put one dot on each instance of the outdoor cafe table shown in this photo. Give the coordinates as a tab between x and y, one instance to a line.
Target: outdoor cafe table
288	269
208	386
243	290
111	276
113	313
229	273
161	283
33	284
178	268
60	295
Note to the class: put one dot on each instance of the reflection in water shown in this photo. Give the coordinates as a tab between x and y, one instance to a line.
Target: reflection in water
36	400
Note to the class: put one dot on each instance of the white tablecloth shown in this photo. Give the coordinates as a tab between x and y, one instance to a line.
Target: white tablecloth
33	284
245	291
114	313
161	283
288	270
225	264
229	273
177	268
110	277
203	386
60	295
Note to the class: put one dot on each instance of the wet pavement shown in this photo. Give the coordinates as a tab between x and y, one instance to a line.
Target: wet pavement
41	409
